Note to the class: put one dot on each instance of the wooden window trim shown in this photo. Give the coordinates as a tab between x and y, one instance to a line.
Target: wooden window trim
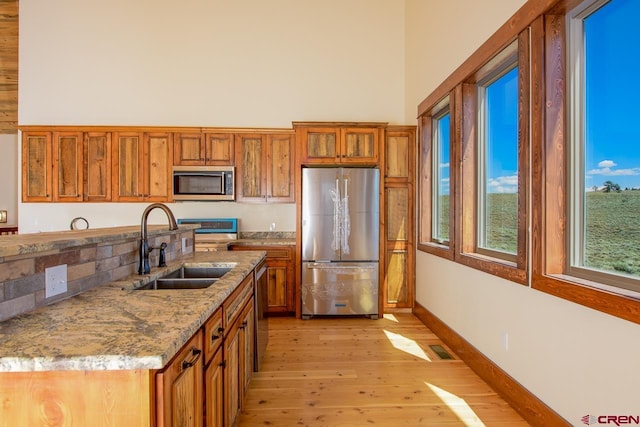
425	186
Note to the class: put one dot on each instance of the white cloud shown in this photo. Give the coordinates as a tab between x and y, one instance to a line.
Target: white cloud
607	164
503	184
444	165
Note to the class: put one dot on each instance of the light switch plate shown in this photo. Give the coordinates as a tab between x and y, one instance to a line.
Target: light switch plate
55	280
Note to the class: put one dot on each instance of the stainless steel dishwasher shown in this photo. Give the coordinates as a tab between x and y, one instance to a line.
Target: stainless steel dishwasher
262	322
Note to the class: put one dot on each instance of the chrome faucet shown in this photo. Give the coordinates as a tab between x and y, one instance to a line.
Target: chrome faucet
144	243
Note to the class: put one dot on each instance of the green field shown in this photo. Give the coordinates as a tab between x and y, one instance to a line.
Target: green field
612	231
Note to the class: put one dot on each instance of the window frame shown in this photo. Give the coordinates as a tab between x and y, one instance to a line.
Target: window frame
427	179
552	189
512	268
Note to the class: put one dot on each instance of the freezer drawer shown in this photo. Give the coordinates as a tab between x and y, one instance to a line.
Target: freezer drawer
339	288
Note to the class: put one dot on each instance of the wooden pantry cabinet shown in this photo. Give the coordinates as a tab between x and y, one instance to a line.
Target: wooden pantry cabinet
399	159
264	167
339	143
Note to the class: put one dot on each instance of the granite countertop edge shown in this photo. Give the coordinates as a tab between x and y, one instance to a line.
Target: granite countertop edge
114	327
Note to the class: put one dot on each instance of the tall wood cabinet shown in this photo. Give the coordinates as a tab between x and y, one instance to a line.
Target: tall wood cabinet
399	153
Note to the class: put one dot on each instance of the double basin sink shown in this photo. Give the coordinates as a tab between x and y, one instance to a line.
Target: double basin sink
190	277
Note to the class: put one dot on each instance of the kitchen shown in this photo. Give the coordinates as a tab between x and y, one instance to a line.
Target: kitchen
368	79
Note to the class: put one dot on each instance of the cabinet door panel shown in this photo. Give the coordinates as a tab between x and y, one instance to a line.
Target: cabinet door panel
189	149
397	213
280	172
397	291
127	157
36	165
67	185
277	287
250	175
359	145
158	150
397	157
219	148
97	150
214	402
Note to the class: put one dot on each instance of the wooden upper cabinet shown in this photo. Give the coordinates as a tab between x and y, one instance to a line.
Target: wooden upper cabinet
127	167
68	167
97	173
399	154
37	167
359	145
251	179
336	144
280	171
320	145
264	169
157	152
203	149
219	149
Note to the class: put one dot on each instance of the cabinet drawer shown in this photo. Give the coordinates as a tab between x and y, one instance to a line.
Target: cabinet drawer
234	304
273	252
213	332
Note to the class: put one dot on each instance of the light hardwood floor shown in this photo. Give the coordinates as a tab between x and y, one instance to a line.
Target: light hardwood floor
362	372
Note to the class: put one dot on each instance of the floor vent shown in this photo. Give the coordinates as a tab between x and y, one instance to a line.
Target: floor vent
441	352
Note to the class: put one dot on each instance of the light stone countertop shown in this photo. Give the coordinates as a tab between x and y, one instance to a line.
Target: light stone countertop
113	327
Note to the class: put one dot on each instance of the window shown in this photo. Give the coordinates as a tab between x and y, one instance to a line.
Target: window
604	196
494	140
435	180
441	178
497	220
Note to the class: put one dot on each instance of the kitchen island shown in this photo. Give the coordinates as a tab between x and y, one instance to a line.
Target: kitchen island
106	354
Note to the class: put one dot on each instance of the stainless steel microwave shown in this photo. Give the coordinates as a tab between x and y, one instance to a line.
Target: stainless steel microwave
201	183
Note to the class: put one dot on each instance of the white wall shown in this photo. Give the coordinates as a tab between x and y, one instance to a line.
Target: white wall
577	360
10	177
244	63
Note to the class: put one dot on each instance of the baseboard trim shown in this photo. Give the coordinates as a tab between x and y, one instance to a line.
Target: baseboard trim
532	409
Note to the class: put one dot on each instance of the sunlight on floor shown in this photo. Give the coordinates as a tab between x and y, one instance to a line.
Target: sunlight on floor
407	345
458	406
390	317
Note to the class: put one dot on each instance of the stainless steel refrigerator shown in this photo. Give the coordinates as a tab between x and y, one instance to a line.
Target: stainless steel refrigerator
340	235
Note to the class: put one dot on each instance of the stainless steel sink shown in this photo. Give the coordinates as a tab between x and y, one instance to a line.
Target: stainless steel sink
189	272
163	283
189	277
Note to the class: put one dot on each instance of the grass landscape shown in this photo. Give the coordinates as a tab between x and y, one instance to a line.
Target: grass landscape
612	231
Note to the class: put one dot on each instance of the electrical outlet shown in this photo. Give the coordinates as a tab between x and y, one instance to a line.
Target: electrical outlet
272	226
505	341
184	245
55	280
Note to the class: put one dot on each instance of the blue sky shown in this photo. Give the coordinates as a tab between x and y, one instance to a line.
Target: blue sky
613	63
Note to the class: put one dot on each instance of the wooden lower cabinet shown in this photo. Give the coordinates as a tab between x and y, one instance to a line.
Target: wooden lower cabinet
179	387
280	276
214	391
204	384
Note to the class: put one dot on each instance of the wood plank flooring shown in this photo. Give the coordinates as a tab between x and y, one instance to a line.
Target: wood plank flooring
362	372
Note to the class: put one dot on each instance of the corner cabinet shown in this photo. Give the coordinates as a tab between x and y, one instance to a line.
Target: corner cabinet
339	143
264	168
399	158
280	276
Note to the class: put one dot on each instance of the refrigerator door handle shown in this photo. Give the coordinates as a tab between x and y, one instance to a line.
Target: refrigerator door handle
346	219
335	197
